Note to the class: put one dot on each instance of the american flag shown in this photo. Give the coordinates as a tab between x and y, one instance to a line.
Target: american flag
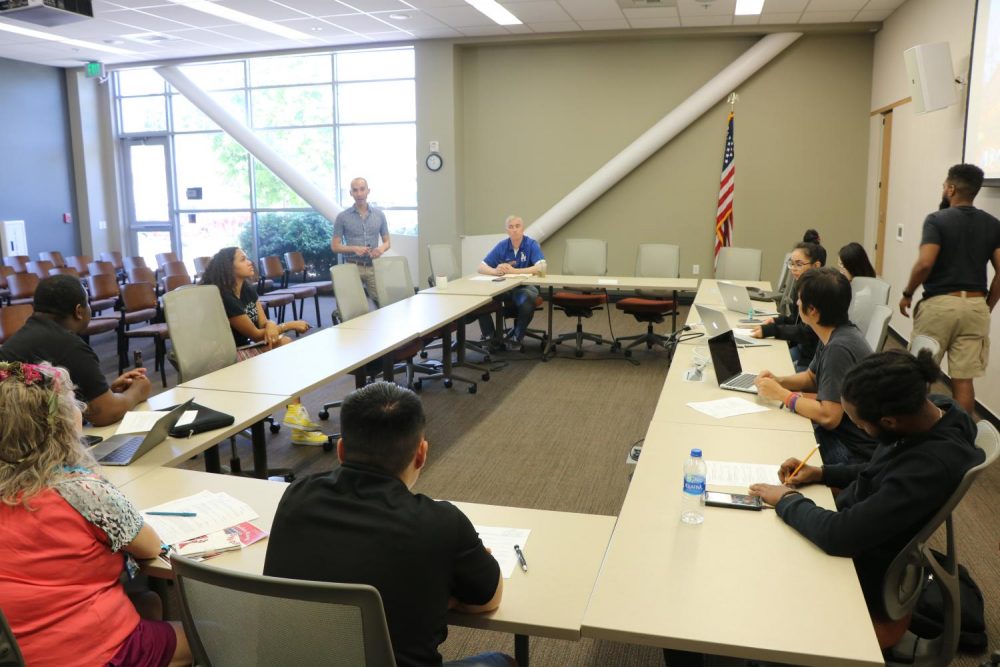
727	188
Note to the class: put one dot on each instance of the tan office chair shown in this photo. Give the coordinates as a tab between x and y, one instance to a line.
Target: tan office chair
738	264
866	293
909	572
583	257
249	619
923	342
653	260
878	327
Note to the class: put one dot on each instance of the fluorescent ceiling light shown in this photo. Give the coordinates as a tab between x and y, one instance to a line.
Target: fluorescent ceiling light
749	7
246	19
495	11
38	34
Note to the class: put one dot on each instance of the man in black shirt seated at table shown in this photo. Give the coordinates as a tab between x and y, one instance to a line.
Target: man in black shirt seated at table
926	446
361	524
51	334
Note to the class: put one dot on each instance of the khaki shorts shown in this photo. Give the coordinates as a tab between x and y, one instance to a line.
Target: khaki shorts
962	327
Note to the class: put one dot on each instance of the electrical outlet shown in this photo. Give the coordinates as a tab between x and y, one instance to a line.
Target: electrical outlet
435	147
899	232
695	269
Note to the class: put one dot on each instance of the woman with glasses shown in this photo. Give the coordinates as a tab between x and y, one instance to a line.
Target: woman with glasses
853	262
68	537
789	326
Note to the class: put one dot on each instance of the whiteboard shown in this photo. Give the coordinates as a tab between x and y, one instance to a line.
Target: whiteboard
475	248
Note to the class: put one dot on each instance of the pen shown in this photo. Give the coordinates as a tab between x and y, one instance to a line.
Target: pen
171	513
796	471
520	558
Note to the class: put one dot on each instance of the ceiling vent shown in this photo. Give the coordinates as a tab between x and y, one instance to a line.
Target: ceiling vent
47	12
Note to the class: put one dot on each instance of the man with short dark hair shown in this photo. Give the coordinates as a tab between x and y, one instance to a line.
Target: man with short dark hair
361	234
824	298
51	334
957	243
362	524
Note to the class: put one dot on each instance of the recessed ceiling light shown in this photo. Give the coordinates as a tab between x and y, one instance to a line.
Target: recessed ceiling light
749	7
316	28
399	17
216	9
38	34
495	11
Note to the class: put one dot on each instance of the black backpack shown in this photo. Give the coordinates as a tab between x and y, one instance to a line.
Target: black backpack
928	615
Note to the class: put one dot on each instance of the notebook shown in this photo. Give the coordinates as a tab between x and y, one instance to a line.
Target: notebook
726	361
121	450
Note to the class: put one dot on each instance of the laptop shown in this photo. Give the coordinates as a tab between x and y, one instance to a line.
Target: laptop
716	323
121	450
726	360
737	299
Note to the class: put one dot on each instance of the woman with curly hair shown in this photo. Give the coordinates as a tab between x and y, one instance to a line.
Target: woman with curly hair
68	536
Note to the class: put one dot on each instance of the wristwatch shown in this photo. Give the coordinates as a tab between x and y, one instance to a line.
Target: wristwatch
908	295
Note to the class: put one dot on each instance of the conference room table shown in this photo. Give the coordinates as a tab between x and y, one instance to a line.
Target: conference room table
564	553
618	283
247	408
479	285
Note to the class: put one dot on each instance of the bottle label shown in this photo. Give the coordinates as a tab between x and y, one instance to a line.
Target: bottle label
694	485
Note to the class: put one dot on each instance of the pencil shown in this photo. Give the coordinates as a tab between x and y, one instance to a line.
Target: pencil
802	463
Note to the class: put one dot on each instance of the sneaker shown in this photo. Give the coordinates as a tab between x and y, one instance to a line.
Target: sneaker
314	438
298	417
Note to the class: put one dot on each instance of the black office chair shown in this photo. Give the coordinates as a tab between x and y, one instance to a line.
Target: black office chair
10	654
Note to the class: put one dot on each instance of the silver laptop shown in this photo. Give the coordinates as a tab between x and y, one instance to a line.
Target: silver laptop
726	361
121	450
737	299
716	323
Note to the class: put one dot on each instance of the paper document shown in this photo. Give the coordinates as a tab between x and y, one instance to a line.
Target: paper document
607	281
506	277
501	542
215	511
136	421
740	475
739	331
727	407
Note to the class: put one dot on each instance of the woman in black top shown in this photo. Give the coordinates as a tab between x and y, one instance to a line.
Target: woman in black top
854	262
232	272
789	327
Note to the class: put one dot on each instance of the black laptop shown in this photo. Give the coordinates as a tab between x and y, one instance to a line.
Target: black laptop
728	369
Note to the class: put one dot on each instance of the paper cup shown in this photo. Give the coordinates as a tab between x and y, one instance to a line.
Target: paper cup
441	281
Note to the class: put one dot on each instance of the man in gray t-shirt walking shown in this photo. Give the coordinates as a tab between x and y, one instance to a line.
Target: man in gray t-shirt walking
361	234
958	242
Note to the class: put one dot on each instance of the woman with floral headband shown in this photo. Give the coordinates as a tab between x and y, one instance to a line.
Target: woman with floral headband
67	536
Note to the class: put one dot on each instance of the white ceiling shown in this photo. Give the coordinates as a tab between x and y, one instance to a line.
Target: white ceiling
182	32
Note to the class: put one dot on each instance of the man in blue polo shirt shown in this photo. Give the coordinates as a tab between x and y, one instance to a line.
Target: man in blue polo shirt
518	254
361	234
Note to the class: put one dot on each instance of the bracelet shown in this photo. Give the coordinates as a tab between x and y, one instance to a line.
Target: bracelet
788	400
792	399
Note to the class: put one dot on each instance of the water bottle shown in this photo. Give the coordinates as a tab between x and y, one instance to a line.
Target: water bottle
751	313
695	471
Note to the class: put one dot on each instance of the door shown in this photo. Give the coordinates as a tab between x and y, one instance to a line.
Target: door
149	196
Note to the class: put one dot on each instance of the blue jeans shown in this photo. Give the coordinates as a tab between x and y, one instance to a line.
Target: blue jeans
830	447
494	659
522	301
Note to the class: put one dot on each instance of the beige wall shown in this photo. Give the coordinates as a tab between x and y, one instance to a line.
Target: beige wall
538	118
923	147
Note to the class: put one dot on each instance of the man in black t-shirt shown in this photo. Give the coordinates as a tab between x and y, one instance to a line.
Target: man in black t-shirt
958	242
824	297
362	524
51	334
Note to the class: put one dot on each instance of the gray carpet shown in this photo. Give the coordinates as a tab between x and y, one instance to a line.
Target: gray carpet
554	436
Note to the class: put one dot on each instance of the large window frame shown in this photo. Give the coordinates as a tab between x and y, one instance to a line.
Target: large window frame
184	209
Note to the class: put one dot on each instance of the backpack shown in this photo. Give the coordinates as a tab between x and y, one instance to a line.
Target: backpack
928	615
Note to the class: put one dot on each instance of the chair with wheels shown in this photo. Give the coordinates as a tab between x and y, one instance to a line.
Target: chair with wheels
923	342
583	257
654	260
232	618
202	341
912	568
738	264
878	327
10	654
444	263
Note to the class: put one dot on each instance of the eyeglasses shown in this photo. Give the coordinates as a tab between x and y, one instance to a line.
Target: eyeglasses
795	264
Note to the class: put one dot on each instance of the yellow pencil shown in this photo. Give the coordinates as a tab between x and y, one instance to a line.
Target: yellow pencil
796	471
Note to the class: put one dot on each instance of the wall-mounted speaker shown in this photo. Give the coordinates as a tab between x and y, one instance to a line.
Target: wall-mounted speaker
932	76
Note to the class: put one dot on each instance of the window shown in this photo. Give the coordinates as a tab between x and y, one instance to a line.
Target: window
334	116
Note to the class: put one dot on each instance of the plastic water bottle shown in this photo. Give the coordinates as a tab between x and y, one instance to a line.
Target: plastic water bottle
695	472
751	313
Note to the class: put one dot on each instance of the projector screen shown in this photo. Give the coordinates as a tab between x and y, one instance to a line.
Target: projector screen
982	123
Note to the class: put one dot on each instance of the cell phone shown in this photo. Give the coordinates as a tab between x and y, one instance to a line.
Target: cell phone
734	500
91	440
499	280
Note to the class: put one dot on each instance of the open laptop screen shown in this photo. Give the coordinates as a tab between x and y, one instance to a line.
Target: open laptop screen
725	356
